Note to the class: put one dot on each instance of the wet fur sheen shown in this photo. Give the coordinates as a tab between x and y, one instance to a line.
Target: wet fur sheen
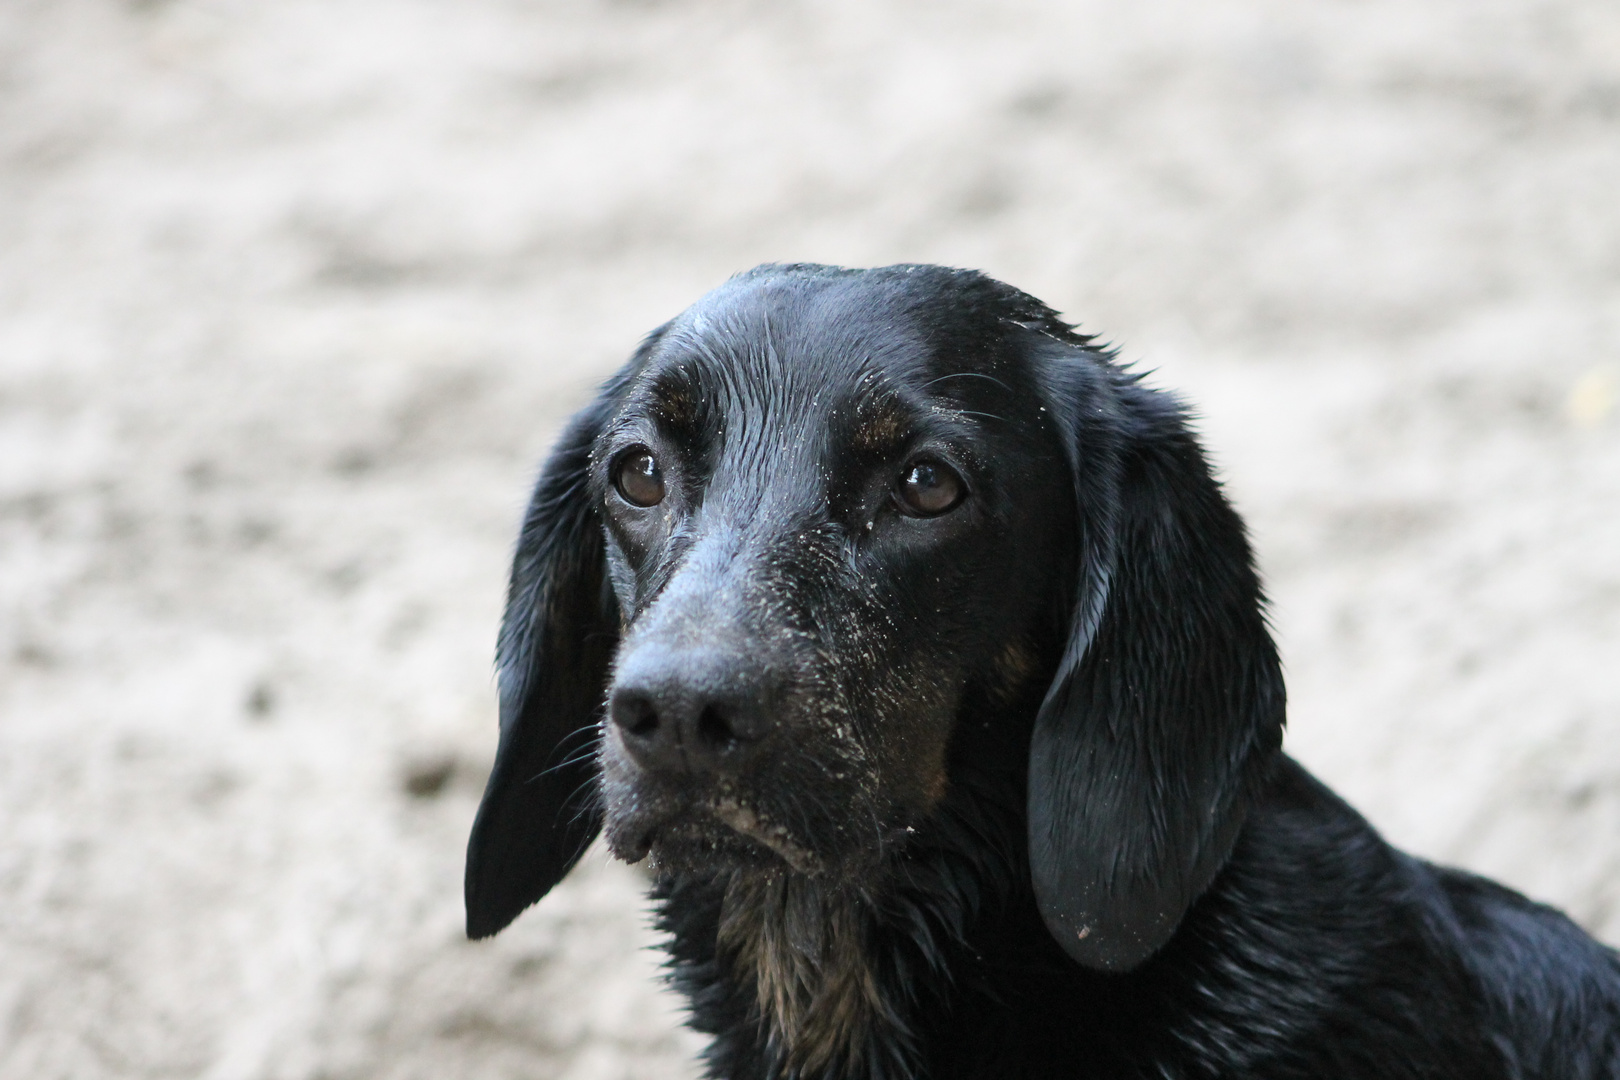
1021	808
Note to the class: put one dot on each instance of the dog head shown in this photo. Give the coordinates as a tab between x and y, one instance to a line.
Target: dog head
814	516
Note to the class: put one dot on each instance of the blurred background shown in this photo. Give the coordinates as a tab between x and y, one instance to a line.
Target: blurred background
294	295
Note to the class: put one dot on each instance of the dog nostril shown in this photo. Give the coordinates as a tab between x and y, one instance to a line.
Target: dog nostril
636	716
715	731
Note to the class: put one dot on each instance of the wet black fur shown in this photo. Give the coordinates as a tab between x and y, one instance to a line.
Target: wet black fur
1124	876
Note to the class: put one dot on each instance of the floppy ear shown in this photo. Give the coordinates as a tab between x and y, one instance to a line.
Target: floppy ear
1167	708
561	627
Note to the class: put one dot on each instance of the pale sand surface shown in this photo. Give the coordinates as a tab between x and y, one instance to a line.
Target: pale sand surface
294	295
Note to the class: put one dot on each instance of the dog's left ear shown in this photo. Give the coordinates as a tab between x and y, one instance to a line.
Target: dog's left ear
1167	708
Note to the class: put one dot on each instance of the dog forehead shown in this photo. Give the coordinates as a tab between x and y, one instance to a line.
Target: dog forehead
792	344
792	350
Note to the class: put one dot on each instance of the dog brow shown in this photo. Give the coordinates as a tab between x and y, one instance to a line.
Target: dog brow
883	424
675	400
880	426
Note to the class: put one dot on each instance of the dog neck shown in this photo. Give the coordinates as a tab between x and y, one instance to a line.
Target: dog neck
808	948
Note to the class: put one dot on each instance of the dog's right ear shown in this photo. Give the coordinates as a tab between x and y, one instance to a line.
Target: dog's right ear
540	809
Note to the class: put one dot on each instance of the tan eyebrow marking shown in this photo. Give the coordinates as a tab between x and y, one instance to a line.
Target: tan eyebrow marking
675	404
880	425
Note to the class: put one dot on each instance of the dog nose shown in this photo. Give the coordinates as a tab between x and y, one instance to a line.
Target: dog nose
690	712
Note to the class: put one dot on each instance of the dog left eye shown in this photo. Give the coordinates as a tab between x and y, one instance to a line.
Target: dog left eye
929	488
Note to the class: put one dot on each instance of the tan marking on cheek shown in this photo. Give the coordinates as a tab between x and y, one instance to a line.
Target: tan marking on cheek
923	728
938	784
1013	667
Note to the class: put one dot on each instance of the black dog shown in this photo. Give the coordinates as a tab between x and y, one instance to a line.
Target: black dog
914	643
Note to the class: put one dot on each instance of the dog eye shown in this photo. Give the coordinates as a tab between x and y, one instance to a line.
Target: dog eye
638	478
929	488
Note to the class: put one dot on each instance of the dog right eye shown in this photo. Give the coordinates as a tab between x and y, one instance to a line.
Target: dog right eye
638	479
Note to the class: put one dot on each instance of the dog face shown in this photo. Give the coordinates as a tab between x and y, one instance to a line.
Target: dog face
820	509
817	517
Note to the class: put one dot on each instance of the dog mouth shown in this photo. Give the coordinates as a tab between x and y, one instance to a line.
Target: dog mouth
747	822
721	830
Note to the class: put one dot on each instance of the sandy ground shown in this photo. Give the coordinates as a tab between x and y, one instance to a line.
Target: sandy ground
293	296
